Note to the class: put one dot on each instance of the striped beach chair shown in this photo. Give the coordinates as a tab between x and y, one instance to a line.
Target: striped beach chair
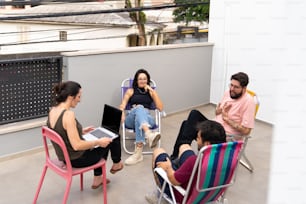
214	171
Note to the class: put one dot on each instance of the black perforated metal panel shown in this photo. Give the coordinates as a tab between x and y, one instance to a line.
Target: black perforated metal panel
25	87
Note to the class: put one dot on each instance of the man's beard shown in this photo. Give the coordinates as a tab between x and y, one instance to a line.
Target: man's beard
235	96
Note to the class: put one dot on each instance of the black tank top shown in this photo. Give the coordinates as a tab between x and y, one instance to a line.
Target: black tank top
63	133
141	97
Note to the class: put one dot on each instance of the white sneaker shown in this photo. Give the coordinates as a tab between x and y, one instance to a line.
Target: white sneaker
153	199
153	138
135	158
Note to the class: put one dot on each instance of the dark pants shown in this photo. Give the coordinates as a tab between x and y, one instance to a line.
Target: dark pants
90	157
188	131
115	149
162	157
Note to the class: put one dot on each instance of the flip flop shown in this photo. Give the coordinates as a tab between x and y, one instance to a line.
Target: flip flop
113	171
97	186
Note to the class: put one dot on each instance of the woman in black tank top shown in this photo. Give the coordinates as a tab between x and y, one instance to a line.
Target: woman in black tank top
82	153
140	97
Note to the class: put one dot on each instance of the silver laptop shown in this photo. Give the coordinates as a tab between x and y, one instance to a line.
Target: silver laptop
110	127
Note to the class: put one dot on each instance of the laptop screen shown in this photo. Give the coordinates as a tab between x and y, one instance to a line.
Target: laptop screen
111	119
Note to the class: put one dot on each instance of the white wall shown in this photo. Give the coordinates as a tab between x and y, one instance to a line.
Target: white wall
244	41
266	39
78	37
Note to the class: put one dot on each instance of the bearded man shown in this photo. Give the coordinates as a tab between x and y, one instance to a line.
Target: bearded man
235	113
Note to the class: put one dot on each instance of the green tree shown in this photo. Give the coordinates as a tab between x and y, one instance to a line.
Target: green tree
199	13
140	19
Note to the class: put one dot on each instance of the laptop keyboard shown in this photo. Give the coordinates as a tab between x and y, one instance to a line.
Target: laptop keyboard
102	133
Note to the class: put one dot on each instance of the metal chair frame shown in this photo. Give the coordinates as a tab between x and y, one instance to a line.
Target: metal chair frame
126	84
244	161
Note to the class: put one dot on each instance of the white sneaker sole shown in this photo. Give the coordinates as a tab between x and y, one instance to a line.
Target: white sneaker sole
133	163
156	139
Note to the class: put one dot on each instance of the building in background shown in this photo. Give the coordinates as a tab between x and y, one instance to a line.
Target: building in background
101	30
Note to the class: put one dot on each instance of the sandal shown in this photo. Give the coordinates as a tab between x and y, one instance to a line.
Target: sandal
113	171
97	186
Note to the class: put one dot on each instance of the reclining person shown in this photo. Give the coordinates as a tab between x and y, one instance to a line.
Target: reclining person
208	132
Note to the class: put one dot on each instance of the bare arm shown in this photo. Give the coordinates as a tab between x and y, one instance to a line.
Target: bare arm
166	165
155	97
243	130
240	128
125	100
69	123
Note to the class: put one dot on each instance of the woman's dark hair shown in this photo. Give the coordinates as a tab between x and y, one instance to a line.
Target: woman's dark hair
139	71
212	132
242	78
62	90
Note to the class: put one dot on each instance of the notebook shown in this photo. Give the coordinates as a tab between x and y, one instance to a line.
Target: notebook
110	127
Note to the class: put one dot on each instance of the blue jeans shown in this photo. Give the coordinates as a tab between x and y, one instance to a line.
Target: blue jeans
137	117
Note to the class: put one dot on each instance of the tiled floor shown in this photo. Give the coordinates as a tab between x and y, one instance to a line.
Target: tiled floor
20	176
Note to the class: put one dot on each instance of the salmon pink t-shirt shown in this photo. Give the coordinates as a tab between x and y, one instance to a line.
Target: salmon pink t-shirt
242	112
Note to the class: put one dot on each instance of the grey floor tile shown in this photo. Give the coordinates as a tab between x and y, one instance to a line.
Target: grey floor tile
20	176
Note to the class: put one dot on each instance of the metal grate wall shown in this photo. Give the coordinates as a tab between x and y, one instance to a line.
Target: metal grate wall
25	87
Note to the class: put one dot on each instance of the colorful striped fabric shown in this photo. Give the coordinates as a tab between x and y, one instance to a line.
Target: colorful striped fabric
218	165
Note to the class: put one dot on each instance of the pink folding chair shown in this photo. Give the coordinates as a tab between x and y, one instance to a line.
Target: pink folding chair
65	170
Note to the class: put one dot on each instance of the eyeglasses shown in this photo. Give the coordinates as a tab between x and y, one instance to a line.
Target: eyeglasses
234	86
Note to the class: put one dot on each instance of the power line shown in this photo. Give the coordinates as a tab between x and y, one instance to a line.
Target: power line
135	9
86	30
39	2
91	27
53	41
71	40
44	30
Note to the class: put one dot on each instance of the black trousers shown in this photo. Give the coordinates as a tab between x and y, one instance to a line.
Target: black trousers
91	157
188	131
115	149
94	155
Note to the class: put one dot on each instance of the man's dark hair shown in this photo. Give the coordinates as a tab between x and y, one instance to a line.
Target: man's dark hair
242	78
212	132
